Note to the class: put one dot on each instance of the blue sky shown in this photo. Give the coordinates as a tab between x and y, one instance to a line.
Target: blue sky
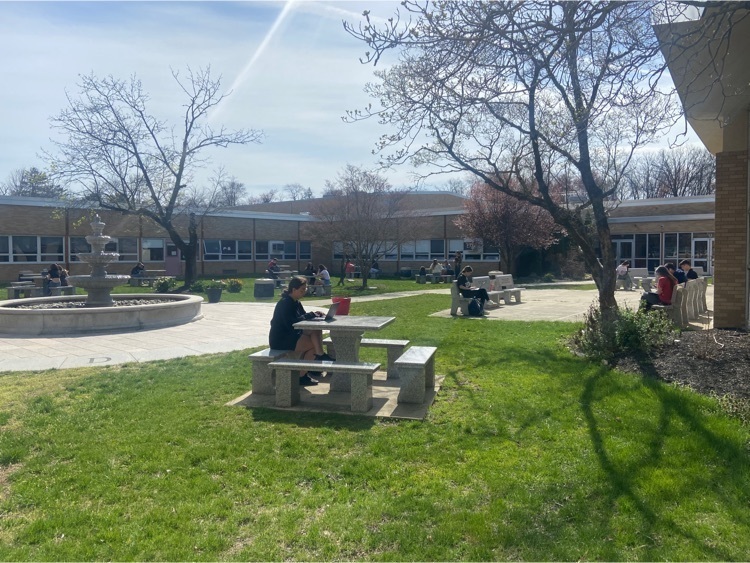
295	85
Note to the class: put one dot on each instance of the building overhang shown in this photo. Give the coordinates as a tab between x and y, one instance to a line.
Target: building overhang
708	61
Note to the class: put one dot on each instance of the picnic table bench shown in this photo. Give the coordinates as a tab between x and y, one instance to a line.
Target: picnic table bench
416	368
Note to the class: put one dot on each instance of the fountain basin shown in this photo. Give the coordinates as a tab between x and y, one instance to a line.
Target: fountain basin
179	310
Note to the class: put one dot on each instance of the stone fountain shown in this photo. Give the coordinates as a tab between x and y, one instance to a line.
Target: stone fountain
98	284
97	311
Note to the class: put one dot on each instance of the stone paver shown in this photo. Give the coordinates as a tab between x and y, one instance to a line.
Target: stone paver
236	326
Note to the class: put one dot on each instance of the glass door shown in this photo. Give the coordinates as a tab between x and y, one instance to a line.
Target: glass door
623	250
702	254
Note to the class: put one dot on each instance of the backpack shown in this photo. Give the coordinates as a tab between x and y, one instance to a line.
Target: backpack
475	308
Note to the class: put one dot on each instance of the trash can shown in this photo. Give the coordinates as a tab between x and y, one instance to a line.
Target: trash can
344	303
264	288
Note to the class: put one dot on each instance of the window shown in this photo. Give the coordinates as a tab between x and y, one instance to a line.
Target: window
338	250
472	249
685	246
4	249
437	249
127	247
407	251
290	249
244	250
391	251
228	249
454	245
211	249
153	249
52	249
78	245
422	250
490	252
277	248
305	250
654	252
25	249
261	250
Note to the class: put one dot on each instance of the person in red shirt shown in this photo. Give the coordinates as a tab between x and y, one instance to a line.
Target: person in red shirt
665	284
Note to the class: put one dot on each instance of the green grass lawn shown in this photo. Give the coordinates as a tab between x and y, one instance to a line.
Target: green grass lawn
528	453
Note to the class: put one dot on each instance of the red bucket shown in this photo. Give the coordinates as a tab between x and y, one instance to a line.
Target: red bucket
344	303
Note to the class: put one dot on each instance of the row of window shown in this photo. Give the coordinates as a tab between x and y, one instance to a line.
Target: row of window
431	249
41	249
653	249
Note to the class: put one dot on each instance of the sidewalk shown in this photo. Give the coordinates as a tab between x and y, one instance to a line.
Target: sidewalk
226	327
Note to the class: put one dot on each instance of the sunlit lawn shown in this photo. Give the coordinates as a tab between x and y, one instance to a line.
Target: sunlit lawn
528	453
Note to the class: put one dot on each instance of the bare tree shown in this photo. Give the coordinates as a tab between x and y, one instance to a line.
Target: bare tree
515	92
678	172
296	192
124	159
507	223
31	182
368	218
264	197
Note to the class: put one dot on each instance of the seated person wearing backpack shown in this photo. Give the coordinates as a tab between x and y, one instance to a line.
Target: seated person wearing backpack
466	290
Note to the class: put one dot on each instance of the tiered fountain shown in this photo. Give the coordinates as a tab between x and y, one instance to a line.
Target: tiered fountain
99	284
98	311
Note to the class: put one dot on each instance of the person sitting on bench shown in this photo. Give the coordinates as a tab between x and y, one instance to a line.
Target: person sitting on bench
466	290
138	270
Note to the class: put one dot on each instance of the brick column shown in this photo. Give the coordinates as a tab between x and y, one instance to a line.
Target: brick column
730	248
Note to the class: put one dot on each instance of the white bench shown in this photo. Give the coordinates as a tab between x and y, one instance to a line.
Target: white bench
322	290
394	348
485	283
637	274
696	298
416	368
459	301
504	283
263	376
677	311
288	374
26	290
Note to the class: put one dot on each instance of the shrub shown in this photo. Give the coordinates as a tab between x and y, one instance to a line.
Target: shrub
634	333
234	285
197	286
548	278
214	284
164	285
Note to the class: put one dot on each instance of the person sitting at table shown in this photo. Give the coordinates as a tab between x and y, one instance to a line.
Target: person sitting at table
309	273
466	289
623	275
374	268
138	270
322	277
273	269
687	269
678	274
665	284
306	344
447	269
53	278
63	277
436	269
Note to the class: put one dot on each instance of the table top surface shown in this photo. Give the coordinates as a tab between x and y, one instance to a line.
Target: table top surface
346	322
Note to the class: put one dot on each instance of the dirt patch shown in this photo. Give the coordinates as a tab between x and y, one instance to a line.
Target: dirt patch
708	361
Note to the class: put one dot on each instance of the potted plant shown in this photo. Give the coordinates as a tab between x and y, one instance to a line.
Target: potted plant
213	290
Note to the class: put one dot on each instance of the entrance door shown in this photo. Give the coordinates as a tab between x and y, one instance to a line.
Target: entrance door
702	254
172	260
623	250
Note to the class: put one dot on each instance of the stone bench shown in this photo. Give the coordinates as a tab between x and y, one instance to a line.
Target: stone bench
288	374
677	311
458	301
145	280
394	348
696	298
504	284
416	369
62	290
25	291
321	290
485	282
263	376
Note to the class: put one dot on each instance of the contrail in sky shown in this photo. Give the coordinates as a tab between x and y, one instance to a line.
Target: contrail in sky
243	75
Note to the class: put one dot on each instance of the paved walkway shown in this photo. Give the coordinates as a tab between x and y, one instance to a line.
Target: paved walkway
235	326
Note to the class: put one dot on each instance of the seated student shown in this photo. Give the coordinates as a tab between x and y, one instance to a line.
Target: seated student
464	286
322	277
665	284
435	268
306	344
678	274
138	270
63	277
273	269
309	273
447	268
687	269
53	277
622	274
374	268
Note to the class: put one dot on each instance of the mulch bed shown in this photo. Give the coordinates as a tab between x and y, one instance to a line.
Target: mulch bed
712	362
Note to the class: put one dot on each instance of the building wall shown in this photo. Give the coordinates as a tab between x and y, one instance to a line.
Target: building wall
730	298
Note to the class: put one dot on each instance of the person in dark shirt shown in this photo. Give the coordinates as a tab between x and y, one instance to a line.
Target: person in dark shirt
138	270
465	288
53	278
307	344
678	274
688	271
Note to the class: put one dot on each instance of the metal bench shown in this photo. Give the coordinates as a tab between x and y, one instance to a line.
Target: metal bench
288	373
263	376
416	368
394	349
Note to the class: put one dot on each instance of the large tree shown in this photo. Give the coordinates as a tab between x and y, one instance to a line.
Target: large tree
31	182
122	158
367	217
507	223
516	92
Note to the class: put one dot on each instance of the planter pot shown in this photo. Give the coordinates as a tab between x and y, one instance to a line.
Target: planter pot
214	294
